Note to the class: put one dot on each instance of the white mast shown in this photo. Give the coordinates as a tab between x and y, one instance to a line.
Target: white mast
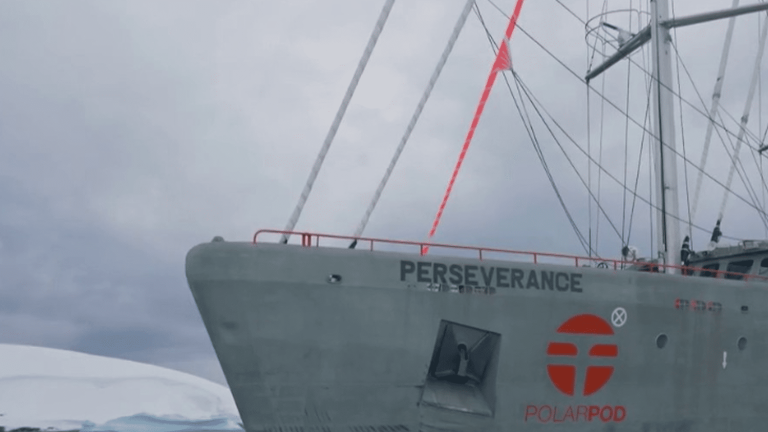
668	208
665	155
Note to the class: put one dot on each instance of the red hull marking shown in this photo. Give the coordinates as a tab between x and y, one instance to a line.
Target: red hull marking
562	349
563	377
601	350
586	324
597	377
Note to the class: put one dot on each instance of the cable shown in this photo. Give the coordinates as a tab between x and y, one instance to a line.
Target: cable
424	97
531	98
744	117
537	147
682	134
626	152
607	173
715	104
745	180
617	108
600	154
502	61
378	28
527	124
646	119
643	69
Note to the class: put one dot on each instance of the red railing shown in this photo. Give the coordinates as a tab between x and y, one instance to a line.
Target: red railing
313	239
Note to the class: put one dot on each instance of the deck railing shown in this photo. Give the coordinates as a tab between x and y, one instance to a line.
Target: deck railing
309	239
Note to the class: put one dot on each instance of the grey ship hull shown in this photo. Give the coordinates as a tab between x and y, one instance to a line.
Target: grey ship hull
327	339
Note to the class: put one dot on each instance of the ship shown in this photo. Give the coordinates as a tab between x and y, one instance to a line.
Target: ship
353	333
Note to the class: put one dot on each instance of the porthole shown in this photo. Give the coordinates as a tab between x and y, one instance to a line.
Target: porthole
661	340
742	343
744	309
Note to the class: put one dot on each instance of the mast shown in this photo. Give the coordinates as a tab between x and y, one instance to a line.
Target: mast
667	202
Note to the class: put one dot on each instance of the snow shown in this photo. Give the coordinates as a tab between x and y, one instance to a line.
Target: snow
64	390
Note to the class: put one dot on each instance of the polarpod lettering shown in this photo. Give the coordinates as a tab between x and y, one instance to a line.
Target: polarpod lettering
498	277
575	413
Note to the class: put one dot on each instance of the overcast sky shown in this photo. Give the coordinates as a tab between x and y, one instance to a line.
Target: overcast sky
132	130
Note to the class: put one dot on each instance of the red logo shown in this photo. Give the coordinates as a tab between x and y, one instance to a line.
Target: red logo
563	376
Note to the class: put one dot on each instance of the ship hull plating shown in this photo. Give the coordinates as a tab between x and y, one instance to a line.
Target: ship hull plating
326	339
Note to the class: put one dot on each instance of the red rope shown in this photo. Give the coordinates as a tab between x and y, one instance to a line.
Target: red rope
502	62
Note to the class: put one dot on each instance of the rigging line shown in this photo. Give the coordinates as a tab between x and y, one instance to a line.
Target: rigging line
637	172
617	108
651	193
758	165
745	180
626	151
540	154
742	172
597	39
714	105
755	154
720	112
745	117
748	133
760	126
570	11
755	157
752	193
602	106
337	120
589	163
602	130
534	141
646	119
685	167
494	47
417	113
672	91
666	238
701	112
682	135
525	89
591	58
647	59
600	152
765	134
607	173
634	121
502	61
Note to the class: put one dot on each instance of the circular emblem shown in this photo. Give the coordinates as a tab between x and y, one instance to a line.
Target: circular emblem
576	331
619	317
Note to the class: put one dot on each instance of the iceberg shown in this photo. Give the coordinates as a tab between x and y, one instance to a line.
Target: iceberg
65	390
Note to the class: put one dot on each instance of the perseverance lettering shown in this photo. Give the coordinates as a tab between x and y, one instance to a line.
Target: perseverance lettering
499	277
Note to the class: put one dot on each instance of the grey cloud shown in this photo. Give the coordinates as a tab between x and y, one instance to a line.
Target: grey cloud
130	131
